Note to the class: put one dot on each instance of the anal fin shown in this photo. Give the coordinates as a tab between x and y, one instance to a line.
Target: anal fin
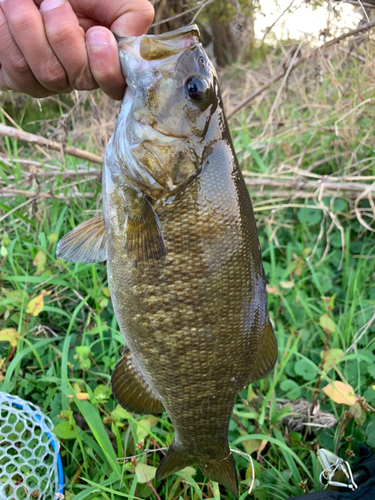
130	390
86	243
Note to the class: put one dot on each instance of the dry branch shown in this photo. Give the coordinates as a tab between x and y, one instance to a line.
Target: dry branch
33	194
291	66
42	141
352	189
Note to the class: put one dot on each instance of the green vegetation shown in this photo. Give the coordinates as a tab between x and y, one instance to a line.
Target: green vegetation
63	341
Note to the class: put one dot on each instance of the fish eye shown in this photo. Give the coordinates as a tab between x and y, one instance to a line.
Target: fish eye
196	88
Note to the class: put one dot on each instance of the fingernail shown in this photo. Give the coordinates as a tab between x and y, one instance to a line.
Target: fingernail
97	37
50	4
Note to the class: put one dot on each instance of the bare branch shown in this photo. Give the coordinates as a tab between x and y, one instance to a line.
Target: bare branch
289	68
42	141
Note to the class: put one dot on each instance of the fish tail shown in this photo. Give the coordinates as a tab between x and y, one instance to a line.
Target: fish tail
221	470
175	460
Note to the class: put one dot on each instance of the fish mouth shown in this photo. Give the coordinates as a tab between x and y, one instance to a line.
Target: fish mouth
154	53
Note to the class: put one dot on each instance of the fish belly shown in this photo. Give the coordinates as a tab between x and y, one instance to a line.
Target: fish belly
195	330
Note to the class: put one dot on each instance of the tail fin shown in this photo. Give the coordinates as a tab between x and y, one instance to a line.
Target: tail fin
174	461
222	471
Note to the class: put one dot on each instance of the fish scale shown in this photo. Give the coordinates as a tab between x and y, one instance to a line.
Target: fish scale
183	256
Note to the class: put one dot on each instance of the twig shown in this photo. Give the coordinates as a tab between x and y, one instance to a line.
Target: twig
65	173
277	20
352	188
252	467
360	333
200	10
33	194
17	208
296	63
42	141
182	14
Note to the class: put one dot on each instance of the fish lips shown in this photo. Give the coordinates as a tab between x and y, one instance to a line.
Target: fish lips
153	53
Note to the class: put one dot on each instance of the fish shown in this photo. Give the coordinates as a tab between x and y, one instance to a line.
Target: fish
183	256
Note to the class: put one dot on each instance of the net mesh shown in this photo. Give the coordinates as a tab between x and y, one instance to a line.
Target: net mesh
28	455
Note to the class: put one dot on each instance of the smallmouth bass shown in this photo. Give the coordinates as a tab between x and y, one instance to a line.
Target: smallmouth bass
183	256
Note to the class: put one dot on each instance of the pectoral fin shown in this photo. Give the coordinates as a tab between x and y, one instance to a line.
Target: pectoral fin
130	389
144	242
86	243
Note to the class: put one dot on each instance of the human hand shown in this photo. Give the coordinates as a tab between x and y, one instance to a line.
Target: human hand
67	44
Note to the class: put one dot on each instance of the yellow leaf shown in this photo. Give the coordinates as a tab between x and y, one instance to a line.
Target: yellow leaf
272	290
52	237
251	395
332	358
9	335
287	284
83	396
263	444
327	323
35	306
340	393
40	261
251	445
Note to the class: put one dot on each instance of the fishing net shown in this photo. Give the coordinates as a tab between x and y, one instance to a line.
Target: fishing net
30	463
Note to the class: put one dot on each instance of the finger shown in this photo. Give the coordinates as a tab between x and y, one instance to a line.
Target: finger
133	18
15	73
104	61
124	17
67	40
26	26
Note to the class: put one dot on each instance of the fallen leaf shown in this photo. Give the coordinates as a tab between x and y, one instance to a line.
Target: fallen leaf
287	284
251	395
189	471
263	444
145	473
332	358
35	306
83	396
52	237
143	431
40	261
9	335
327	323
340	393
251	445
273	290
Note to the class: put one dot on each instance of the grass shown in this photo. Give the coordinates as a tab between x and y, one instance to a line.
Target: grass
320	267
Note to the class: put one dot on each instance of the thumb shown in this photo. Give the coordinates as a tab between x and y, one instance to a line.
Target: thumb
135	19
